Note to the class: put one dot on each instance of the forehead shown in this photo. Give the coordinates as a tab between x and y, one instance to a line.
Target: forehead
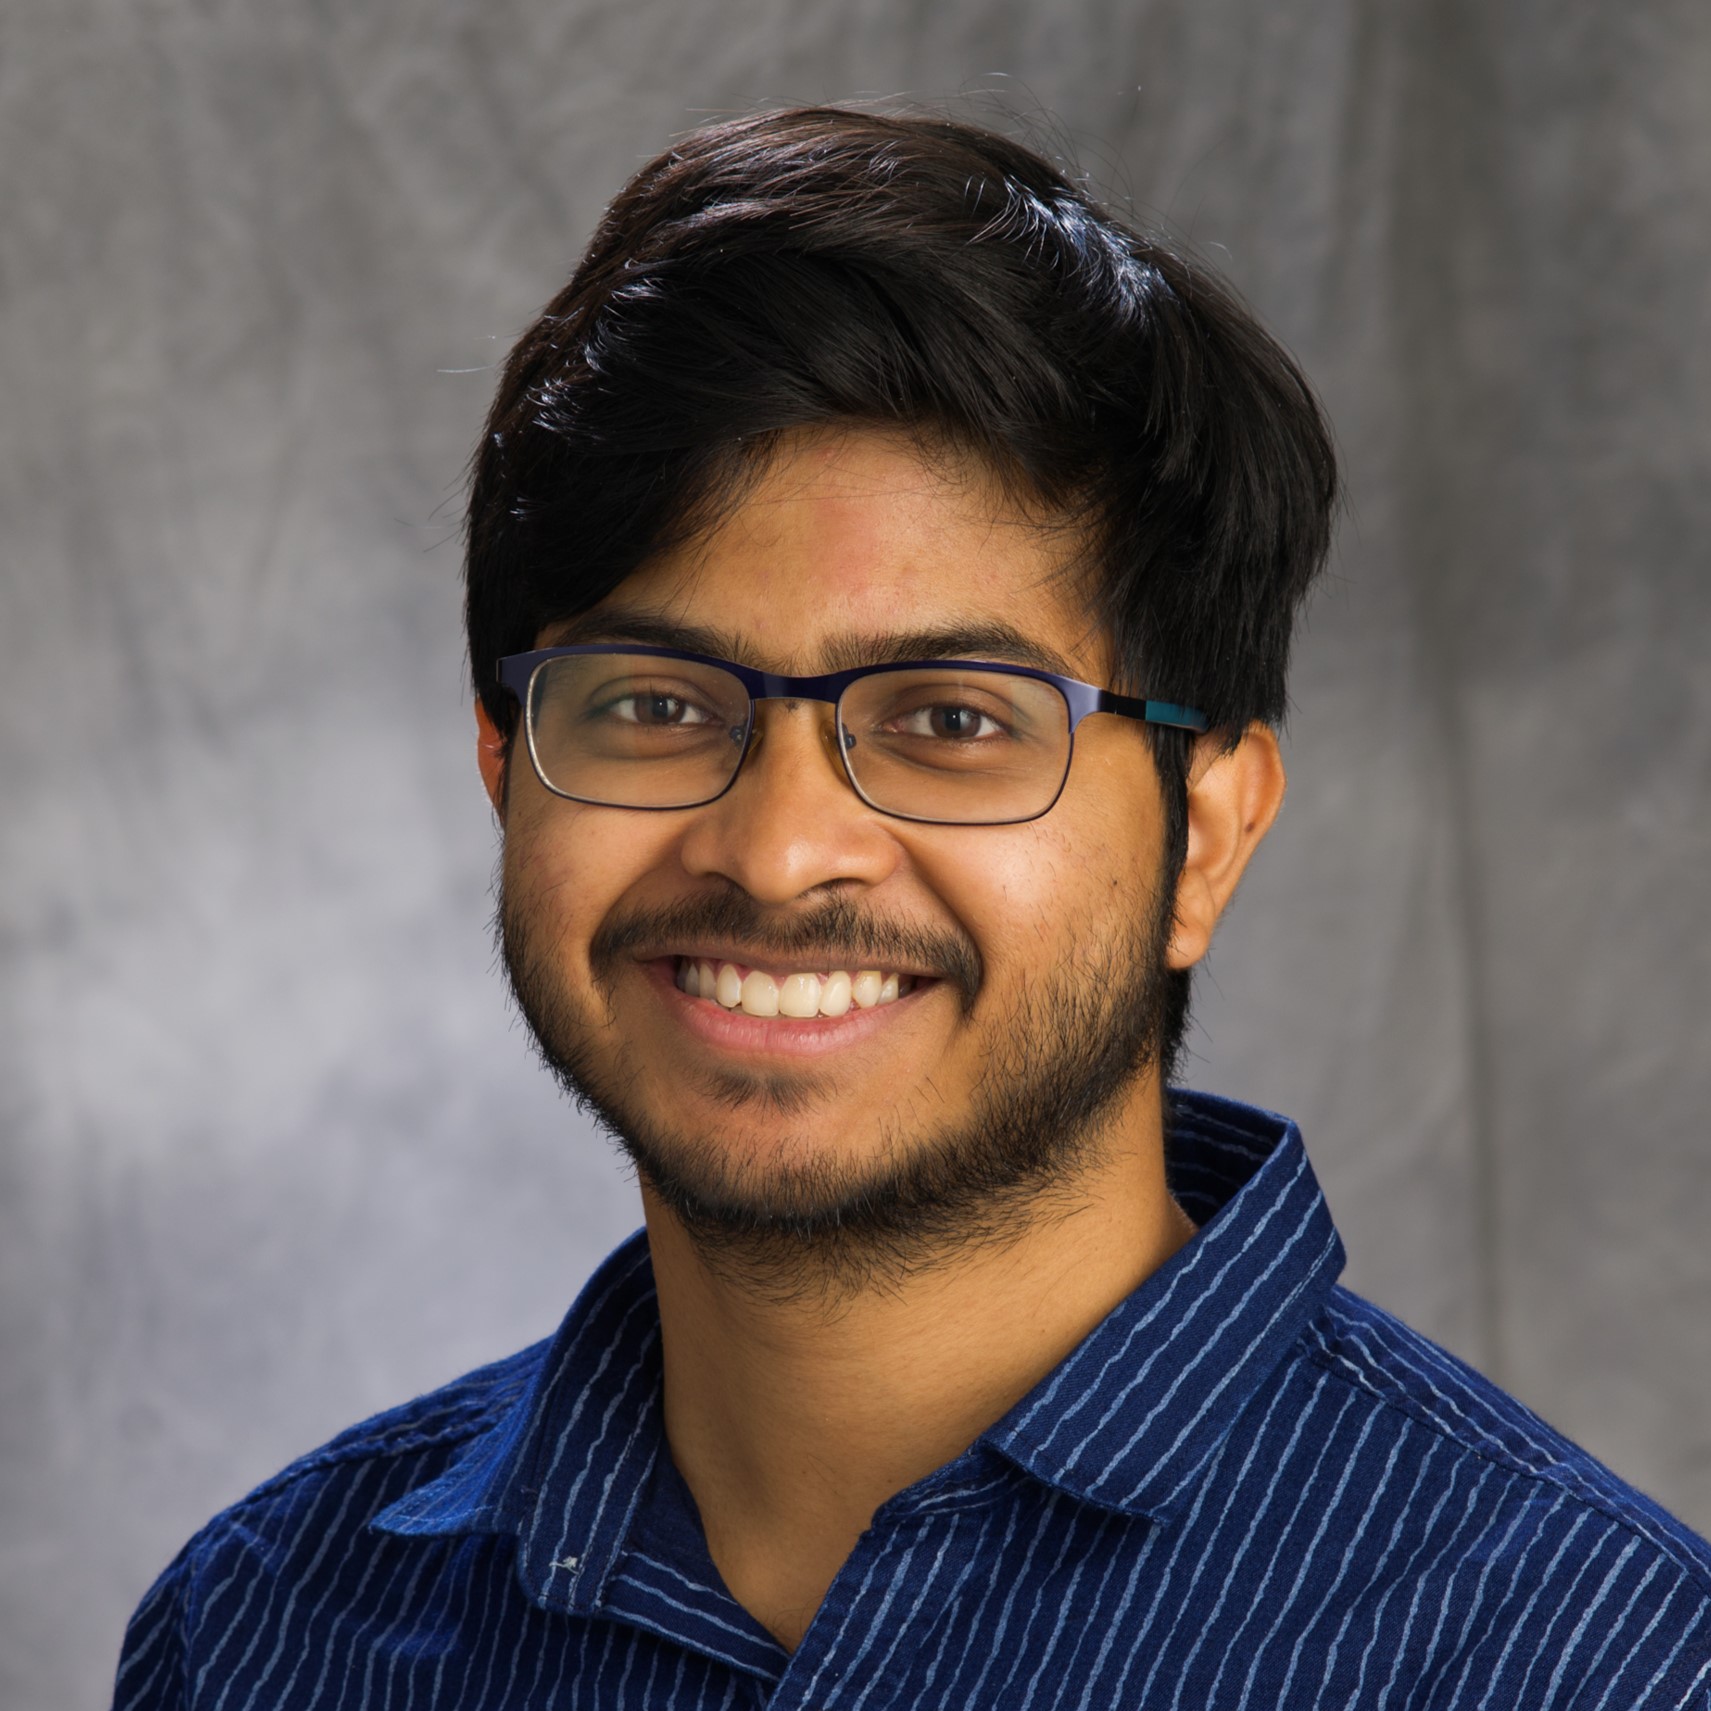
851	543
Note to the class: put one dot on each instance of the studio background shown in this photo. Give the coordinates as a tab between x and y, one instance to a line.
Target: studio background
275	1152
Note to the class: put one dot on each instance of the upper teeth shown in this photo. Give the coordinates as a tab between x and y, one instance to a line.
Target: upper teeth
758	994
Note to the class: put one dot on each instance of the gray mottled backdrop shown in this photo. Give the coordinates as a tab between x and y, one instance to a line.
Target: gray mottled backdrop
274	1153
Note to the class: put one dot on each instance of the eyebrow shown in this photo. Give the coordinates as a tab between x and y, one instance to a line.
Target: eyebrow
988	639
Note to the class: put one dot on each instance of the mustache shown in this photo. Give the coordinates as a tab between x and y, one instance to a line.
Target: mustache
832	934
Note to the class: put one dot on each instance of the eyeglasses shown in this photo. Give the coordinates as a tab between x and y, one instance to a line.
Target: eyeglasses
946	741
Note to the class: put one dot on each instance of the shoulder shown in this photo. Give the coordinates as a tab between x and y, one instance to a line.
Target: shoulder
311	1519
396	1449
1500	1558
1398	1369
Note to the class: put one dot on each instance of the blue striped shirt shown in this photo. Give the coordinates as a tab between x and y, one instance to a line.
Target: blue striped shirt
1246	1488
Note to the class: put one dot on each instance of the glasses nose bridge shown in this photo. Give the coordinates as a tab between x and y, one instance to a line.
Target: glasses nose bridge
782	686
791	693
791	696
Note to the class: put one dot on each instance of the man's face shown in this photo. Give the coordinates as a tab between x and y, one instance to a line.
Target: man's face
1029	956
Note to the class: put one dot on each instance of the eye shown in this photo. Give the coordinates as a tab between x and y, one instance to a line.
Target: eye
656	708
948	721
659	710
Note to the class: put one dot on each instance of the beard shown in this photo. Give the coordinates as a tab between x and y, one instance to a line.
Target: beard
1079	1035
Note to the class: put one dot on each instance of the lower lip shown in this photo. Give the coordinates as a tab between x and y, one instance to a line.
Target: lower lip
778	1036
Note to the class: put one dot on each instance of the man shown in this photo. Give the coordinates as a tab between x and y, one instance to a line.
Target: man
881	573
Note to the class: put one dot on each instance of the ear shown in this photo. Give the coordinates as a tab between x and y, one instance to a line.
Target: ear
492	751
1232	800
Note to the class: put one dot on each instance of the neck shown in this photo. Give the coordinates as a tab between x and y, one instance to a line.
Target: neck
793	1415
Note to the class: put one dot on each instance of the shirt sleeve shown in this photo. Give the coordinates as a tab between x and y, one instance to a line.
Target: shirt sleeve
151	1673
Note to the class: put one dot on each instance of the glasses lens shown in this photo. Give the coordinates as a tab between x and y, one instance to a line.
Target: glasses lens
634	730
949	744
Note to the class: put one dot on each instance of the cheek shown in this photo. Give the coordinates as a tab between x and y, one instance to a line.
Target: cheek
1116	817
567	865
1082	873
1023	895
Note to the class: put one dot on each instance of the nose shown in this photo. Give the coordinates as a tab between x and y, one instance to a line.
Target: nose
791	822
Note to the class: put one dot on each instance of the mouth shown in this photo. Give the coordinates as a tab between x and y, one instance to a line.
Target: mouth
791	994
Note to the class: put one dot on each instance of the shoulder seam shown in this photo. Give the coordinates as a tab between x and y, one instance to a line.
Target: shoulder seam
1405	1405
374	1448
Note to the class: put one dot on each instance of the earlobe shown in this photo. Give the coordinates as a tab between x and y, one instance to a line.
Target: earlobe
1233	798
492	752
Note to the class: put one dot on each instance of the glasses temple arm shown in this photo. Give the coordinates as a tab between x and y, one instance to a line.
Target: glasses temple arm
1153	712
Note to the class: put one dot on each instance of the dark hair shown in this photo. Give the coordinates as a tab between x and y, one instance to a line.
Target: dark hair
822	266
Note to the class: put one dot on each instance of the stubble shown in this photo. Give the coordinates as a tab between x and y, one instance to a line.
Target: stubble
1073	1043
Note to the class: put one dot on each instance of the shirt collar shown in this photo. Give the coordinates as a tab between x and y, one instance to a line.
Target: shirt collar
1142	1404
1126	1422
565	1469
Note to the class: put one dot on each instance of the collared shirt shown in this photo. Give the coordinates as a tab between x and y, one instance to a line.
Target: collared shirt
1246	1488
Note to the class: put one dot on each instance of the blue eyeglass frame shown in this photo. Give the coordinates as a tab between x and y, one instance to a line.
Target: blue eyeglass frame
516	672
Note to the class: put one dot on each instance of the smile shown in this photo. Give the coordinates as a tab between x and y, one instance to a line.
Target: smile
828	992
